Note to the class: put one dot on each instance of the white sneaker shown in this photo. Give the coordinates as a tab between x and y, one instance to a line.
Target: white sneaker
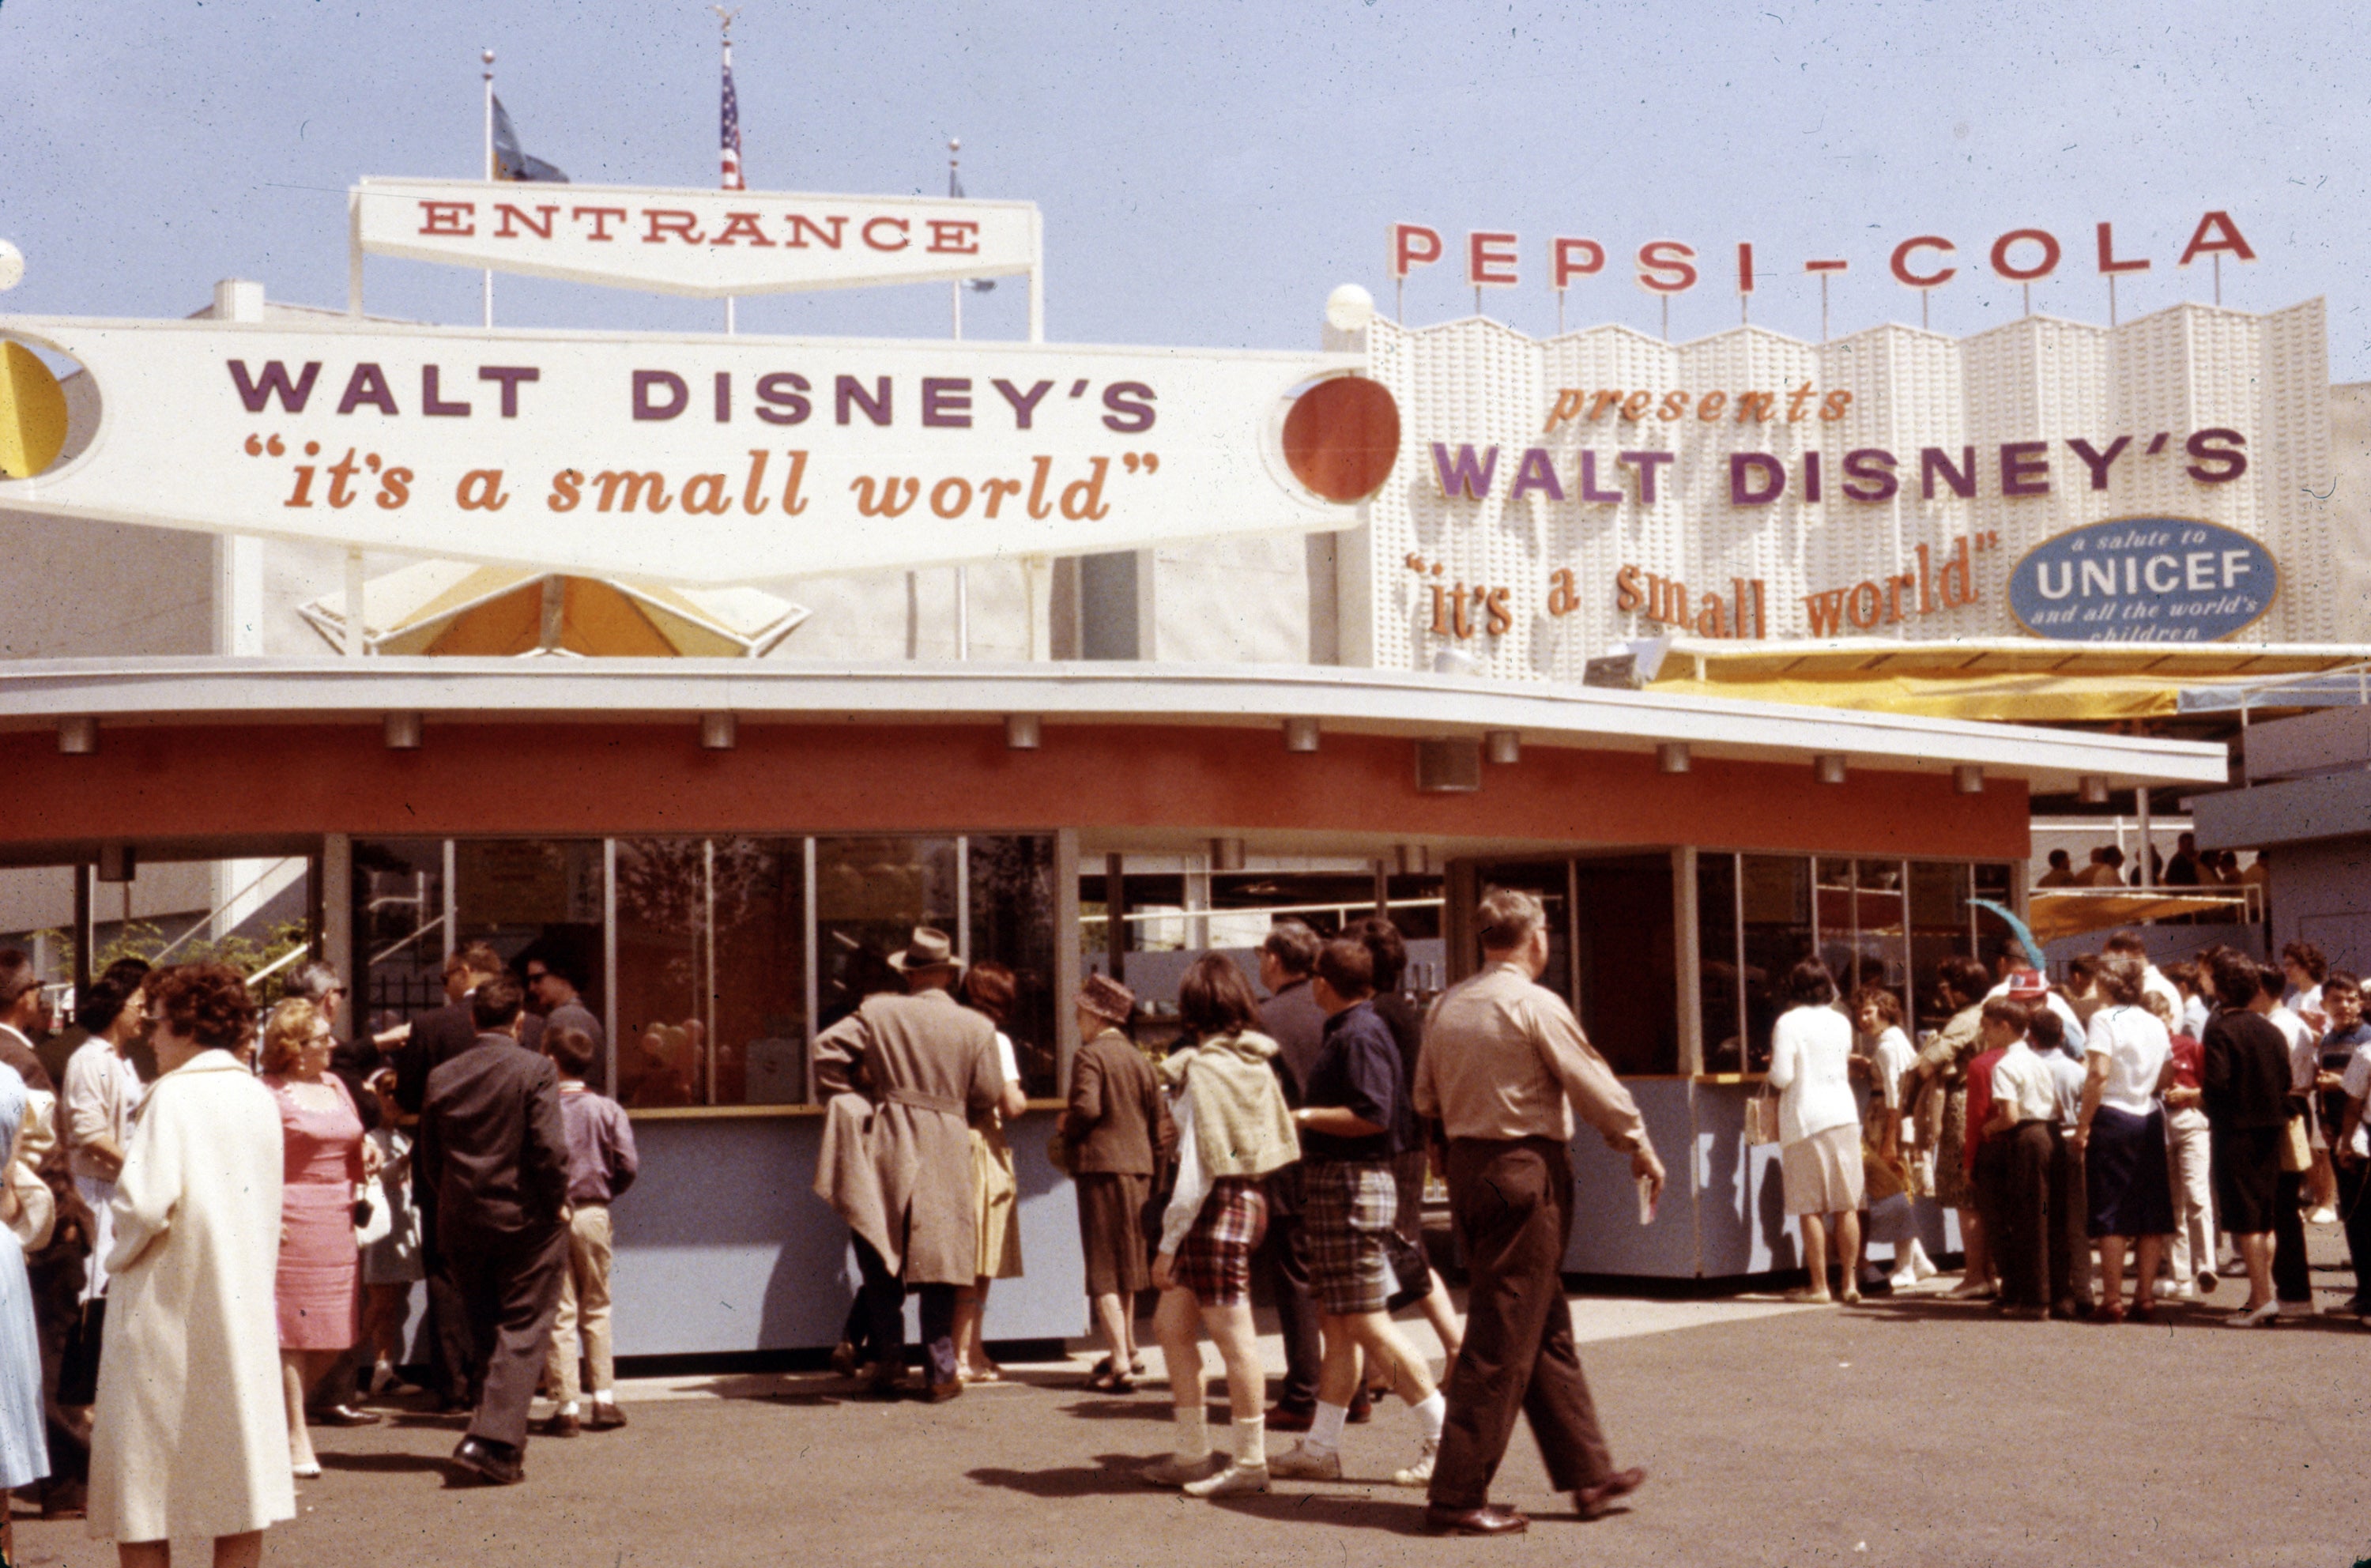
1905	1280
1170	1470
1920	1263
1420	1472
2325	1215
1973	1289
2254	1317
1230	1481
1301	1462
2162	1290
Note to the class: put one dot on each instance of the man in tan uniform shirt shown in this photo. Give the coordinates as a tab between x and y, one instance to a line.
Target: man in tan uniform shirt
1505	1067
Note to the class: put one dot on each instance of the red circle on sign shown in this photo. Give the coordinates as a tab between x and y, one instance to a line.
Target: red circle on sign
1342	437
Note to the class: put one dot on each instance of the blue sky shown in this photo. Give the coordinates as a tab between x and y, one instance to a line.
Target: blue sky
1208	172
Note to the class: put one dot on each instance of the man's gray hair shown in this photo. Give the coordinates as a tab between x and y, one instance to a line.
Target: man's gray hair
315	980
1507	918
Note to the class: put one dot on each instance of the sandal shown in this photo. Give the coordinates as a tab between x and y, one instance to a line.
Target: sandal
1135	1367
1108	1382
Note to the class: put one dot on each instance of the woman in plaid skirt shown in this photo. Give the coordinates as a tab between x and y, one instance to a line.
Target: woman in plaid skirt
1232	1128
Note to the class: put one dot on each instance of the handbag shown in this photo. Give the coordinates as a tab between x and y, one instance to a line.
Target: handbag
374	1220
2297	1152
78	1366
1761	1118
1058	1154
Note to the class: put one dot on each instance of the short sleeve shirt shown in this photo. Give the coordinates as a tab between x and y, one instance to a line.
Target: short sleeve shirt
1357	1070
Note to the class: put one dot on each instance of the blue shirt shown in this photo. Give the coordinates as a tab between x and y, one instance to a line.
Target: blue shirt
1358	1070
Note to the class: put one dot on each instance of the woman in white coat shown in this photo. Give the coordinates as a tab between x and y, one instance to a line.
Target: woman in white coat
1819	1125
190	1436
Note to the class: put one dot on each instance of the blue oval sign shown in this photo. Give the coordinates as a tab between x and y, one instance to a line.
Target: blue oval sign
2143	579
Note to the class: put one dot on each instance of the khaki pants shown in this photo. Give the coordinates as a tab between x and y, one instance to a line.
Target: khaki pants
583	1306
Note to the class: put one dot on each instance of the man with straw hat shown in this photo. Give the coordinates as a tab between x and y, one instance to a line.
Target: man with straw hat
896	1160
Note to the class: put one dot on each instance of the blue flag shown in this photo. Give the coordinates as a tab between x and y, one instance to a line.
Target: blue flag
511	162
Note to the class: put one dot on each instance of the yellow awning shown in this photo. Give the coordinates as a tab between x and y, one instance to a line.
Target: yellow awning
2055	913
453	608
2022	681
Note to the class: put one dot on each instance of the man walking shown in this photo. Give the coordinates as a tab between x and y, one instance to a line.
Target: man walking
1505	1067
929	1066
494	1148
1292	1019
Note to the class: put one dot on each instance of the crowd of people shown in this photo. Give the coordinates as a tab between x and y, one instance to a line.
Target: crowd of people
2189	867
2185	1120
1287	1137
214	1227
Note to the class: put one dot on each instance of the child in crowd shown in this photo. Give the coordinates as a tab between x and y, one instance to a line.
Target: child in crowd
391	1263
2341	1048
2070	1242
1877	1010
2191	1258
2014	1164
601	1166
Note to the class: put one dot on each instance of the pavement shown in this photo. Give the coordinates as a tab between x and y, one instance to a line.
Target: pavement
1917	1430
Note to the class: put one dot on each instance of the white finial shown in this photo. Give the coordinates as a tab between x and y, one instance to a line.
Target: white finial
487	57
954	143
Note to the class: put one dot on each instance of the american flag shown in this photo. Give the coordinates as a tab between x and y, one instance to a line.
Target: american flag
732	128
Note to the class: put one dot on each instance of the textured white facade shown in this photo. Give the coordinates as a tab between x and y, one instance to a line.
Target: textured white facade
1474	383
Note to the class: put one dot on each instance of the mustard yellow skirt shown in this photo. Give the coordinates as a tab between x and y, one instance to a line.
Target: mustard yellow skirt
996	1203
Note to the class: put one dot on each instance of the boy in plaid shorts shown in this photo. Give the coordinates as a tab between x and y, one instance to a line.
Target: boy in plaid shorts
1350	1200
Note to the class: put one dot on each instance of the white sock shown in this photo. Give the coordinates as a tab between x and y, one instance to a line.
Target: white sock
569	1409
605	1396
1251	1443
1431	1416
1326	1428
1192	1442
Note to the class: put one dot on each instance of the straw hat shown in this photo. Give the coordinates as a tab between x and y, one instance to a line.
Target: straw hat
929	948
1106	998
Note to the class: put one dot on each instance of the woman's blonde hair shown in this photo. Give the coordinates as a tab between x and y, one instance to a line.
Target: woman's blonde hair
285	1032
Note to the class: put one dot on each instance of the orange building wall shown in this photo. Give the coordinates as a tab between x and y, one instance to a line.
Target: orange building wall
598	778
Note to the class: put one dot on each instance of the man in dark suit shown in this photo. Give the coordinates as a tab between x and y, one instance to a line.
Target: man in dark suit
436	1038
494	1151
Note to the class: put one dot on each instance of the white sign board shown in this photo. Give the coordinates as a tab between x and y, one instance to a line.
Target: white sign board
687	460
703	244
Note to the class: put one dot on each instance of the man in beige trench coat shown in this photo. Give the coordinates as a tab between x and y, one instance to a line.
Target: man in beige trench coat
897	1164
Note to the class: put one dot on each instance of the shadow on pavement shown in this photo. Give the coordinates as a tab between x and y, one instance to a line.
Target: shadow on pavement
1110	1475
1355	1510
383	1464
1137	1408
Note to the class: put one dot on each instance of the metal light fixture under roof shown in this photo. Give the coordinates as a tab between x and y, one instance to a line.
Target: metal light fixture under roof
1415	859
719	731
404	732
2092	788
1503	747
118	862
1022	732
1827	768
1226	854
1968	778
1672	757
79	736
1301	734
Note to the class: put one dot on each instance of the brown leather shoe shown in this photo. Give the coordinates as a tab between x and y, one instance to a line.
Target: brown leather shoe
940	1393
561	1424
605	1415
1596	1502
1362	1409
1285	1418
1489	1520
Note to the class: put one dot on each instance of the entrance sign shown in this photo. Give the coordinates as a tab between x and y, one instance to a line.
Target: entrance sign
701	244
2143	579
694	459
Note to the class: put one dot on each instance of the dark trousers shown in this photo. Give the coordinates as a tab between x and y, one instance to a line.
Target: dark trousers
883	1301
2292	1280
444	1345
1282	1262
2070	1242
2355	1207
2013	1188
509	1284
56	1279
1512	1204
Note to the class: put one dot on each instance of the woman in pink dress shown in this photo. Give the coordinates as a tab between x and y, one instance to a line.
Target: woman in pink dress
326	1156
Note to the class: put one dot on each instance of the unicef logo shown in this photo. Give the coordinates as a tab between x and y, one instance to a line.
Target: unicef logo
2143	579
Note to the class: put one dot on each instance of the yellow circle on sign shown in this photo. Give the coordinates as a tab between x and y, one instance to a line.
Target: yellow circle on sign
32	413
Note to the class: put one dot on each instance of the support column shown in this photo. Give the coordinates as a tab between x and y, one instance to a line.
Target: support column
1068	956
85	930
334	896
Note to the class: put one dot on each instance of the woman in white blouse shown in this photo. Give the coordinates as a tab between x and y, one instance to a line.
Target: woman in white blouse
2121	1134
1819	1124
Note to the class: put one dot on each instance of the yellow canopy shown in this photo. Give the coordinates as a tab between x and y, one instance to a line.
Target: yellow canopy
451	609
2019	681
2052	913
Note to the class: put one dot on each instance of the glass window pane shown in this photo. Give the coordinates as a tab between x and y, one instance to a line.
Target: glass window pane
1776	893
662	931
1994	883
759	989
1012	924
1724	1044
1938	929
1881	913
534	897
870	894
1623	950
398	913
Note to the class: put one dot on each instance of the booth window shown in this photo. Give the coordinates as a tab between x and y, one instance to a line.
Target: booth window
399	926
1874	922
1611	950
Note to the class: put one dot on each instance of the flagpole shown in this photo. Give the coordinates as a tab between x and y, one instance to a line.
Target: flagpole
954	289
486	279
732	177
